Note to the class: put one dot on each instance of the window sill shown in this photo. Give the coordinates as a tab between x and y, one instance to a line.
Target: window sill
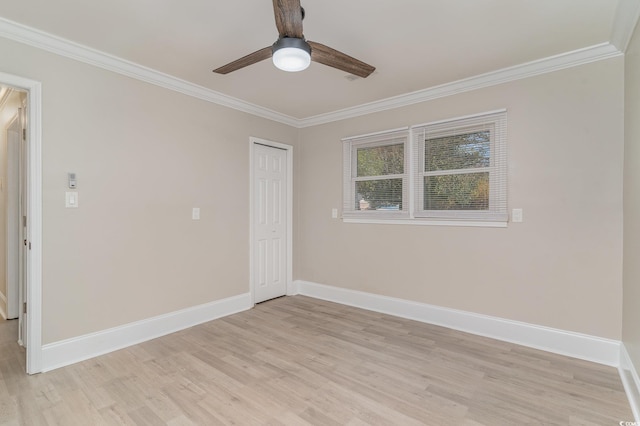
423	222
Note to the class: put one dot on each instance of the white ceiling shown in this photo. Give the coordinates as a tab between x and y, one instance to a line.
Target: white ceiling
414	44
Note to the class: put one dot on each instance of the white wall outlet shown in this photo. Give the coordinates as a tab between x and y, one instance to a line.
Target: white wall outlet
334	213
195	213
71	200
516	215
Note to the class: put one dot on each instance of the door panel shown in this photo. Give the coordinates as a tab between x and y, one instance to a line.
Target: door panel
262	263
276	253
270	227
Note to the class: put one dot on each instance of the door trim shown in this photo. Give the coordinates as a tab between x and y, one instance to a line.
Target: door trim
289	212
34	217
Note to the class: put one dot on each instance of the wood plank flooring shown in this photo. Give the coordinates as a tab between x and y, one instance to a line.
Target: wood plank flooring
299	361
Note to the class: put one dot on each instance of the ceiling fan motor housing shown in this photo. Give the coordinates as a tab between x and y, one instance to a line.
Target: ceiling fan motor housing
291	42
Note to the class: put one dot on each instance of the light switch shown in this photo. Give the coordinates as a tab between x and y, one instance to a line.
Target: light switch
73	183
71	200
334	213
516	215
195	213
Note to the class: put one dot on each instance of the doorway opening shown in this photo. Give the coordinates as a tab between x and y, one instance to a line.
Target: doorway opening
12	209
21	209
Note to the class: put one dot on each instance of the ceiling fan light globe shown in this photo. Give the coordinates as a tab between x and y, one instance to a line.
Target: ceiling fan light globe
291	54
291	59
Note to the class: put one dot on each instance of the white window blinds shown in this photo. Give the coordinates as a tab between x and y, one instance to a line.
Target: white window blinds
376	175
460	168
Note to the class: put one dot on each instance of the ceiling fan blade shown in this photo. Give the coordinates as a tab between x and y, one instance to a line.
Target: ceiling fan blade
336	59
288	15
250	59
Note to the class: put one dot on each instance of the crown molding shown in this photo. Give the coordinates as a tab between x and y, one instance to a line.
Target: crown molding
60	46
529	69
628	11
624	23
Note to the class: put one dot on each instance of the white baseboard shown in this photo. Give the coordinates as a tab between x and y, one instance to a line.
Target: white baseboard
631	382
292	288
577	345
70	351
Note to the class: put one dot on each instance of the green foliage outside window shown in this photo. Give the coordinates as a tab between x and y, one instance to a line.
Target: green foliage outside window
381	160
379	193
457	191
384	194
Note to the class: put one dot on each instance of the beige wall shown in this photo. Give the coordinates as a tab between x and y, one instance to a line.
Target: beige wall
144	156
560	268
631	274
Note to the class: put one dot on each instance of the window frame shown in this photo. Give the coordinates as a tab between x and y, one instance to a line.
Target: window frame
412	212
495	123
350	168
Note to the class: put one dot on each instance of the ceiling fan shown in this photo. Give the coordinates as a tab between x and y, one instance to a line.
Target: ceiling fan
291	52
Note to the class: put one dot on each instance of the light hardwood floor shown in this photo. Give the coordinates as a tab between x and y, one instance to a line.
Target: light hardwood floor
297	361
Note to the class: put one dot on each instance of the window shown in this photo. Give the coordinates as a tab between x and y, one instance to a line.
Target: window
457	172
376	175
460	168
